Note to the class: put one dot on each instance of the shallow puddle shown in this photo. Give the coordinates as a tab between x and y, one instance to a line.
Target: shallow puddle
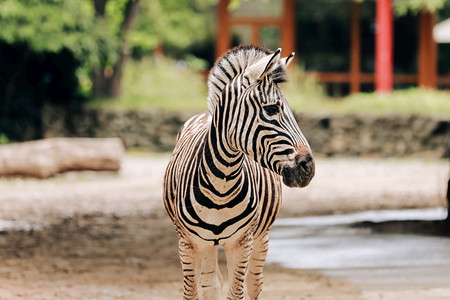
349	246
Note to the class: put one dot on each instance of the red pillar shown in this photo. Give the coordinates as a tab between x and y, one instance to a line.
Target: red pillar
355	48
223	39
288	27
427	76
384	75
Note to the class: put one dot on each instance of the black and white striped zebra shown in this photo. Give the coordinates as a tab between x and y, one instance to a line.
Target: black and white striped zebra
222	186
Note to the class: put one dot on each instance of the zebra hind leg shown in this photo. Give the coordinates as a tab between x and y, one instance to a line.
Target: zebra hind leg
238	255
256	265
190	263
211	278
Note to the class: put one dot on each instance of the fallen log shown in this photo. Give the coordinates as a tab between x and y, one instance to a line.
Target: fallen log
47	157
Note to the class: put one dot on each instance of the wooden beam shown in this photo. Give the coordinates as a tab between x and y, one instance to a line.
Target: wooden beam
355	46
288	27
256	21
254	38
286	24
223	40
384	47
427	50
367	77
331	76
444	79
405	78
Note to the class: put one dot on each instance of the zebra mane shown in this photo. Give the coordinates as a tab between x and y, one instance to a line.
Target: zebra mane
233	63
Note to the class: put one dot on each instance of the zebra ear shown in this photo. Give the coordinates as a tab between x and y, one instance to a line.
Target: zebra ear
287	60
264	66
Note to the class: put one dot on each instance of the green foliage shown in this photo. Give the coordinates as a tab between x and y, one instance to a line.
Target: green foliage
162	84
177	24
402	7
4	139
411	101
50	26
414	100
234	4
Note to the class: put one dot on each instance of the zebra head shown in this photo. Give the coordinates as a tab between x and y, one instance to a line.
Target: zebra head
267	130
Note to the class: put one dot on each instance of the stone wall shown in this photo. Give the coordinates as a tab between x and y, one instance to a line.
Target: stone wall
328	134
377	135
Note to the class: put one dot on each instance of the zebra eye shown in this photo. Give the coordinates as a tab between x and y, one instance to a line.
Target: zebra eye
272	109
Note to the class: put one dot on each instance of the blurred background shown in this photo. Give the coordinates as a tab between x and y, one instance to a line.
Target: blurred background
69	54
370	88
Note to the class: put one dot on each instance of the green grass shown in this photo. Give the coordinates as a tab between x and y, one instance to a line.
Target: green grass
171	85
306	95
164	84
415	100
411	101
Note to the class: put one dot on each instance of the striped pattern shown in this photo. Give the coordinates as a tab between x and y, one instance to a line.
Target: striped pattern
222	186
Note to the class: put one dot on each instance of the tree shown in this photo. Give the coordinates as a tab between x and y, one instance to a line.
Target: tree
93	30
100	32
415	6
148	25
174	24
49	27
107	77
43	46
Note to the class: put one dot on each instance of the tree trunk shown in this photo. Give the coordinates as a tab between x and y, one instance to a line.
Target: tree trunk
102	83
100	7
107	81
44	158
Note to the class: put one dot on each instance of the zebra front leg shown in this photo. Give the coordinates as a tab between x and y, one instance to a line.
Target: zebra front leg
190	263
238	255
211	278
256	265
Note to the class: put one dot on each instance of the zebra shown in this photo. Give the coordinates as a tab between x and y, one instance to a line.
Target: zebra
222	186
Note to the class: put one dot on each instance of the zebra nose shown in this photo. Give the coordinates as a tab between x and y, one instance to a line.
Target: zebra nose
301	173
304	162
306	165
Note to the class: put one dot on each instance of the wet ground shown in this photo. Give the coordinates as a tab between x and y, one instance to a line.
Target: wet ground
389	248
106	236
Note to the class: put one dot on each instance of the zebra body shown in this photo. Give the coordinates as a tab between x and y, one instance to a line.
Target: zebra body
222	186
207	211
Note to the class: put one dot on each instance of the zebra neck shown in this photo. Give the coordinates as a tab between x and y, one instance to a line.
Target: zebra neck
221	168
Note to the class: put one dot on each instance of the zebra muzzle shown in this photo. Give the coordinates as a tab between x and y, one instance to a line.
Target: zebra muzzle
301	173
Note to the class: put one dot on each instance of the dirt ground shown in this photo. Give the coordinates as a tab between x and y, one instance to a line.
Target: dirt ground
107	257
106	236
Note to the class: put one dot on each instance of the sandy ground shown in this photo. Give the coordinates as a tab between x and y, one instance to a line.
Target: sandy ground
93	235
